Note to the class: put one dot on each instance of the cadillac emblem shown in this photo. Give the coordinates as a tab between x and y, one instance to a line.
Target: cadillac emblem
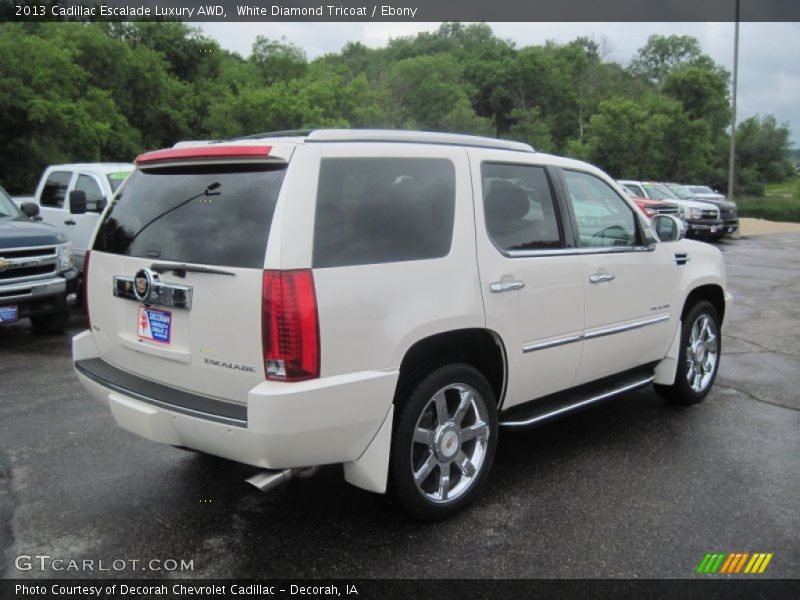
4	264
143	284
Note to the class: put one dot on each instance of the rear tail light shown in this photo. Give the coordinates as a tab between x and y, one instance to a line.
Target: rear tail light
289	326
85	286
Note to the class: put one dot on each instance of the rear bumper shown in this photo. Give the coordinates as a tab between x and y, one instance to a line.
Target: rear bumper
322	421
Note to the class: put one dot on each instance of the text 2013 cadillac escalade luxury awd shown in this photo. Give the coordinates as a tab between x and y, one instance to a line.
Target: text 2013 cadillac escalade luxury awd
385	300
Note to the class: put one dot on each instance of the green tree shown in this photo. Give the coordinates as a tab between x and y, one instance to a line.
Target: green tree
427	88
50	111
529	127
703	93
762	150
278	60
663	54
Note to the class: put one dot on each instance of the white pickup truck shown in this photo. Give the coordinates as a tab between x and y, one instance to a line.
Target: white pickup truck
71	198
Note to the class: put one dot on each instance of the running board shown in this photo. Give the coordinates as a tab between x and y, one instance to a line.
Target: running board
561	404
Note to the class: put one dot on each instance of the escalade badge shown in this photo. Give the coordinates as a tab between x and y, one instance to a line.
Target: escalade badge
143	283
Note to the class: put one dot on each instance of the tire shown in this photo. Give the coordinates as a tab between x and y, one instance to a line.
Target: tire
698	360
444	442
52	323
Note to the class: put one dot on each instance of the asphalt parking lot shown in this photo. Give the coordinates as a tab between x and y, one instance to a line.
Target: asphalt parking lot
632	488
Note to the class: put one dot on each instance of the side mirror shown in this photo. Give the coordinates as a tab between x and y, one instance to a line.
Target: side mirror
101	205
668	228
31	209
77	202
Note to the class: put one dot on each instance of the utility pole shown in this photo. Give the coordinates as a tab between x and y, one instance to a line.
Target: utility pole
732	157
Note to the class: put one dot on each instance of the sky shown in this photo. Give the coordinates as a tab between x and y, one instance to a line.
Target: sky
769	53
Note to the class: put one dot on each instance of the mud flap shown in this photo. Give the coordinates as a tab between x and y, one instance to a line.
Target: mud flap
371	470
666	369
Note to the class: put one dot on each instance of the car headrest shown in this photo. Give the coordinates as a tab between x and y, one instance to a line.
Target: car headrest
506	202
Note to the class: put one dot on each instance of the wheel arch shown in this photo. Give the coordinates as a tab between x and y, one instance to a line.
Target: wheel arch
482	348
710	292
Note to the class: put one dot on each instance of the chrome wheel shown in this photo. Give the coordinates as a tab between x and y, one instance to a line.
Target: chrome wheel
702	353
450	443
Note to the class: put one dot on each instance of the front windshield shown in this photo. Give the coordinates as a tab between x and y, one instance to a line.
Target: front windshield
115	179
701	189
681	191
7	206
659	191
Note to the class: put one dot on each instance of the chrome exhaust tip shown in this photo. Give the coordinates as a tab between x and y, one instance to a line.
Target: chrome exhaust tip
266	481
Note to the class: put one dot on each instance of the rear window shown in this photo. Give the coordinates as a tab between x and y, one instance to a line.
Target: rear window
213	215
379	210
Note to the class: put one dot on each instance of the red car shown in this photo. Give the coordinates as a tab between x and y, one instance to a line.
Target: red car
651	208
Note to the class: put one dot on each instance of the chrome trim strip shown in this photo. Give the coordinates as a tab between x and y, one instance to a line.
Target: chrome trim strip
34	288
627	327
578	251
54	247
170	295
552	343
577	405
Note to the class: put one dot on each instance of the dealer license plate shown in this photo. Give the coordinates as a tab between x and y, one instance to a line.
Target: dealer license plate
155	325
9	314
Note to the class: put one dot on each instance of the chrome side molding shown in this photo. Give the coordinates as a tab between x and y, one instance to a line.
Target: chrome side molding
552	343
589	335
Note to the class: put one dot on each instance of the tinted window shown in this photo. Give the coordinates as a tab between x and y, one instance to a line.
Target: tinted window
519	208
93	192
378	210
213	215
604	218
55	189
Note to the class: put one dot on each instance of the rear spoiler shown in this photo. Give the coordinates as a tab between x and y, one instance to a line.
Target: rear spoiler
203	153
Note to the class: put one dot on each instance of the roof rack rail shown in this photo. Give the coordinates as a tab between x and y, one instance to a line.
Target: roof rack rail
274	134
412	137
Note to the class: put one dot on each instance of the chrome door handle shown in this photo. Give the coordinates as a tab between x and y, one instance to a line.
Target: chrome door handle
600	277
507	285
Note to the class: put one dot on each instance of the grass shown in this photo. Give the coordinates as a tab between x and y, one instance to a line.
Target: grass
781	202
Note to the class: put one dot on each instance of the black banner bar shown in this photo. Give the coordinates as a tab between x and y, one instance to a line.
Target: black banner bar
729	588
400	10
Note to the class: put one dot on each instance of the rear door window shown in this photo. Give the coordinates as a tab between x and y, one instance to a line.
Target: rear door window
208	214
519	208
379	210
55	189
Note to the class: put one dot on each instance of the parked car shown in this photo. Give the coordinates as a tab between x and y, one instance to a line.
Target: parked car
651	208
703	192
385	300
37	278
702	218
728	210
71	198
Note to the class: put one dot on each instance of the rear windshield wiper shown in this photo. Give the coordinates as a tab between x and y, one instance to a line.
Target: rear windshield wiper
181	270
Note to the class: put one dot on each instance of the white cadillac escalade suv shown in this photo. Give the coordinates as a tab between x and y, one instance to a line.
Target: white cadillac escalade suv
385	300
